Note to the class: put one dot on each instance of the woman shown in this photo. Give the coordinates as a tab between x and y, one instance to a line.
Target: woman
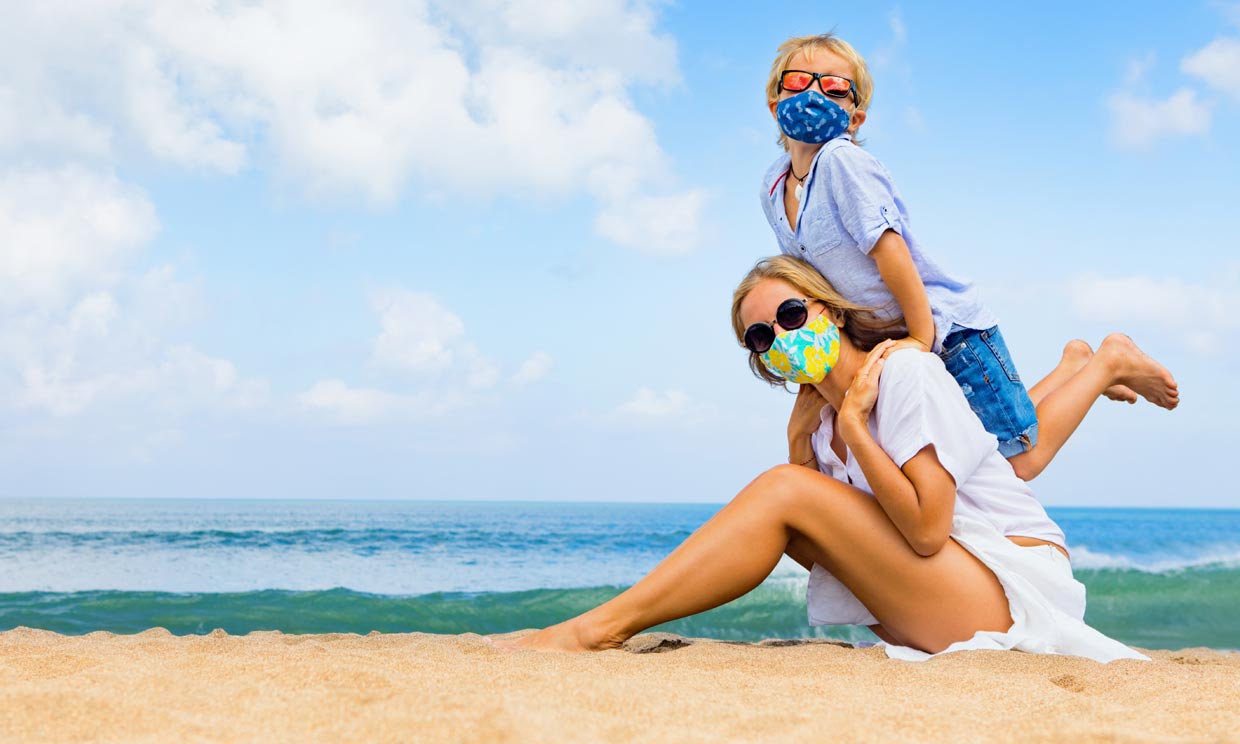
897	500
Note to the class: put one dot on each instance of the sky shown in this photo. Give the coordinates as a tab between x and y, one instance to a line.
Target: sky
485	249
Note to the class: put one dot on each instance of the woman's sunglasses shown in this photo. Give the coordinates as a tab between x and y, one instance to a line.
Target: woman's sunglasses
833	86
790	316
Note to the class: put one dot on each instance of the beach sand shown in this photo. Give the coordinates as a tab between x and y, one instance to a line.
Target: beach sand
268	686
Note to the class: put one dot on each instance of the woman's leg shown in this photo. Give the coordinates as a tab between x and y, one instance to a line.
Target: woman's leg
801	551
927	602
1062	408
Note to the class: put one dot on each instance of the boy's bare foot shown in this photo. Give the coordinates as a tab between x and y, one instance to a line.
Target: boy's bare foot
1140	373
570	636
1121	393
1077	353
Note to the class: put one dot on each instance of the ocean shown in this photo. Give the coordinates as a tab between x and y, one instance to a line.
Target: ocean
1157	578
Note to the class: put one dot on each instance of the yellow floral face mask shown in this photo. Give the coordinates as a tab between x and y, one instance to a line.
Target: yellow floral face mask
806	355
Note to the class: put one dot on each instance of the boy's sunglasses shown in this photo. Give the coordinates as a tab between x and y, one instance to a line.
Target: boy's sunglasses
790	316
833	86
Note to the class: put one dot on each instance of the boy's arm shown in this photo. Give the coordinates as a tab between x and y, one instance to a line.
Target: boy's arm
895	266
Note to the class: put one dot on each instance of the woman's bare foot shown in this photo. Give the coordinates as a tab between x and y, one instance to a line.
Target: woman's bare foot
1139	372
1076	354
571	636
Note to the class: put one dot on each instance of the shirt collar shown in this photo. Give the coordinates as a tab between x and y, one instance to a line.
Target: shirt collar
780	171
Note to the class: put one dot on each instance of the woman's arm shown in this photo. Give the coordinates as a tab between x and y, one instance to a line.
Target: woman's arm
805	419
920	497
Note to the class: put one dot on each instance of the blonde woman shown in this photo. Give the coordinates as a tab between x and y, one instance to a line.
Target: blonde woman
896	499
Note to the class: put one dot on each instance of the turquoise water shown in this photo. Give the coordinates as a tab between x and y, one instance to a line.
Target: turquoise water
1156	578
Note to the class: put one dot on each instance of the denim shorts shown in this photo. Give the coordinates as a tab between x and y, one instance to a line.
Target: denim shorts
980	363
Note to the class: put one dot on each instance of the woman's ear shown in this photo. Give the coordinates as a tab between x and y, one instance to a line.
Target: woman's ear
772	105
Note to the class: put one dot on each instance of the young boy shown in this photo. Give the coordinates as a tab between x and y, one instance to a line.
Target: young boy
834	205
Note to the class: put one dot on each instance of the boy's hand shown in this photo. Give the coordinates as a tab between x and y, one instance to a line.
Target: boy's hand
908	342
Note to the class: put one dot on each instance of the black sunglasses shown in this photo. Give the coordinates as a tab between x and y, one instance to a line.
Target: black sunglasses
790	316
834	86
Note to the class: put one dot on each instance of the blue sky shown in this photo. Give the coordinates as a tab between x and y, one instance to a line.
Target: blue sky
486	249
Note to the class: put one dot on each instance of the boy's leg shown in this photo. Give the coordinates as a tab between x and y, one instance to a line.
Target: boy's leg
1061	410
1075	355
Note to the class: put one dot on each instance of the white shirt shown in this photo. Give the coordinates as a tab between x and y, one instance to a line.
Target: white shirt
920	404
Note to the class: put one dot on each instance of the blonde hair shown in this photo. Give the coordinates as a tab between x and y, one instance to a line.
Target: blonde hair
858	322
826	42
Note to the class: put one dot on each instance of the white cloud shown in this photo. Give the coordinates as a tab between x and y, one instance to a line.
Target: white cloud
487	97
421	337
1137	121
81	327
666	225
352	405
1218	64
63	229
1205	316
534	369
649	407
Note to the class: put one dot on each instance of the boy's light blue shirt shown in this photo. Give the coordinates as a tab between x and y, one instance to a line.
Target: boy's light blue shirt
849	201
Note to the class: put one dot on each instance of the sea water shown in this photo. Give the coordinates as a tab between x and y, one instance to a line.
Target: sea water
1157	578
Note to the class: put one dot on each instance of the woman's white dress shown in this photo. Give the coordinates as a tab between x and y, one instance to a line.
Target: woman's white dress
920	404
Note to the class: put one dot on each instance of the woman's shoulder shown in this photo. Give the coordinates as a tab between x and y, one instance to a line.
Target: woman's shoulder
912	364
912	375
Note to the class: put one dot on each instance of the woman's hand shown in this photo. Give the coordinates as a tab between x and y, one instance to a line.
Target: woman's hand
805	419
806	413
863	392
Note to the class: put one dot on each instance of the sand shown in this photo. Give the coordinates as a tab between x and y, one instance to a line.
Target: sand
268	686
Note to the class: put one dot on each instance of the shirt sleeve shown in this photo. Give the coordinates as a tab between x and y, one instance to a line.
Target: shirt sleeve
864	194
919	404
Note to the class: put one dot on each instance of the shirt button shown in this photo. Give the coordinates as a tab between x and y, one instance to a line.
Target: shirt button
802	249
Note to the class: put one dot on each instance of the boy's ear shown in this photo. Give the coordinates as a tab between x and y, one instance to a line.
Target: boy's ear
856	120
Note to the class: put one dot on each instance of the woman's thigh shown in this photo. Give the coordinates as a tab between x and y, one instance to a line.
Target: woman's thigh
927	602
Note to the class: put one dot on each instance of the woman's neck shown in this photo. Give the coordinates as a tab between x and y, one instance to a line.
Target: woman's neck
837	381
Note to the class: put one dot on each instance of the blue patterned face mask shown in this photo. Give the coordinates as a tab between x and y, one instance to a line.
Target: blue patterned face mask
811	117
806	355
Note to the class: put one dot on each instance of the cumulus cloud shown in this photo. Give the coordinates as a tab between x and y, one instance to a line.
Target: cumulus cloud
420	336
359	405
430	366
648	407
534	369
1218	65
1205	315
1137	121
81	326
361	101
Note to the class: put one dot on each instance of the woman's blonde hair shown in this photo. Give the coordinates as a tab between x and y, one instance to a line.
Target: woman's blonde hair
810	44
859	323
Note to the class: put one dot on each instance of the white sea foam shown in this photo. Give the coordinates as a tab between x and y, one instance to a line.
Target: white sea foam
1216	556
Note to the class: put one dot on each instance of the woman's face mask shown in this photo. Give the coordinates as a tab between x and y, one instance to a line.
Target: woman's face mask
805	355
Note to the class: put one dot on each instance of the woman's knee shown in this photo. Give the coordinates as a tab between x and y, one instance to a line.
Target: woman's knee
785	485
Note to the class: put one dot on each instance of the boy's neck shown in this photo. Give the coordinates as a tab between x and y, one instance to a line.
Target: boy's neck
802	155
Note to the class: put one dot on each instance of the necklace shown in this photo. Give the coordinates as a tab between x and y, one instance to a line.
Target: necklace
800	182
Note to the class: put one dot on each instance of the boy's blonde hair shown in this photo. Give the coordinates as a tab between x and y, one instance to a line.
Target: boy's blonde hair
858	322
810	44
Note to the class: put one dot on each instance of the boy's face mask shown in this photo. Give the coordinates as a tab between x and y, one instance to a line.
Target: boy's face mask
811	117
806	355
